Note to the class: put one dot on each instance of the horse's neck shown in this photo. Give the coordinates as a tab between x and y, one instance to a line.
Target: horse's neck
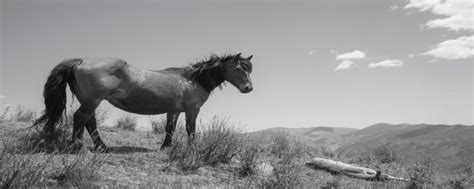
210	82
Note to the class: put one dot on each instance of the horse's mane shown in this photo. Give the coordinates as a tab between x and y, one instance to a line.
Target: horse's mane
208	72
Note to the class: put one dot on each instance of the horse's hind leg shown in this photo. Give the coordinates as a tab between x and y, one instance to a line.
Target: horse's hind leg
91	127
81	117
171	120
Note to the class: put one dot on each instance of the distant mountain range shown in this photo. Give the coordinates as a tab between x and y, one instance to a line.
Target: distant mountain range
450	141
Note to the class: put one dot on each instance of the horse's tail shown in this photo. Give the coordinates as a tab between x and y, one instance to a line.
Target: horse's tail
55	93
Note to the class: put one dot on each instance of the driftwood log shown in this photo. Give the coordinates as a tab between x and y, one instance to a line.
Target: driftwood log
337	167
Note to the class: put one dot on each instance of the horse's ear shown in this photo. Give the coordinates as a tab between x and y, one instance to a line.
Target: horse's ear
250	57
236	57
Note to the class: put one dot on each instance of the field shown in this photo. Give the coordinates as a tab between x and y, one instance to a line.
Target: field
220	156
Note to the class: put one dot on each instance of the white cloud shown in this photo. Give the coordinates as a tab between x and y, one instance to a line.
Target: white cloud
311	52
411	56
458	14
346	64
351	55
2	97
386	64
459	48
422	5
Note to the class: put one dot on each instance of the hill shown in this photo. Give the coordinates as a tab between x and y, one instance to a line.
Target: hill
331	137
453	143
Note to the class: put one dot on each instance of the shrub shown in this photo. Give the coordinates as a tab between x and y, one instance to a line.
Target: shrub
219	141
158	125
421	173
288	166
463	178
248	158
185	154
127	122
386	153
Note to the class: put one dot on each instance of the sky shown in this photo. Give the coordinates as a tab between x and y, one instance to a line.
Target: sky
339	63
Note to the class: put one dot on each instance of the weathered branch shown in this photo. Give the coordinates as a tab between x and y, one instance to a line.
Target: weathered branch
337	167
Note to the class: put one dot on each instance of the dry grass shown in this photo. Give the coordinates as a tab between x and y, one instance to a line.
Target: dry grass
158	125
80	170
217	142
220	156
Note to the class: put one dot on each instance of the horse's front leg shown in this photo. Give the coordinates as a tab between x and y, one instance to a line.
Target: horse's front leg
191	116
171	120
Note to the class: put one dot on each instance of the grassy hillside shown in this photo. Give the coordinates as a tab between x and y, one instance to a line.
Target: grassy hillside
329	137
220	156
442	142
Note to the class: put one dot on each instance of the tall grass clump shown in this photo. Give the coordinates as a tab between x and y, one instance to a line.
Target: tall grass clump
216	142
287	165
21	171
23	114
158	125
128	123
421	173
386	153
219	141
79	170
4	115
185	154
32	140
248	157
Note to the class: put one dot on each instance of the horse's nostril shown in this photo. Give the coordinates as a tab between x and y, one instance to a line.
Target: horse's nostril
248	88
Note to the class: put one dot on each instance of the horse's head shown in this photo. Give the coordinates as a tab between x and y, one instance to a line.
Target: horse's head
237	72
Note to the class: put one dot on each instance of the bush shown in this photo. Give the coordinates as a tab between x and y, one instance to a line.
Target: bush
127	122
421	173
185	154
248	158
288	166
219	141
386	153
158	125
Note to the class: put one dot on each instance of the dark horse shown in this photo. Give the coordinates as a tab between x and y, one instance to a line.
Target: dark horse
170	91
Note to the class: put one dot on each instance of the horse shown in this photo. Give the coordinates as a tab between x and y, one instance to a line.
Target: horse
148	92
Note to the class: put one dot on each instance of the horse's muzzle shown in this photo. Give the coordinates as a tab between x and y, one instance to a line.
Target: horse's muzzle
246	89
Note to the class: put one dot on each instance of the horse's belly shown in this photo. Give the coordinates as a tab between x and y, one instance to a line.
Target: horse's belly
146	102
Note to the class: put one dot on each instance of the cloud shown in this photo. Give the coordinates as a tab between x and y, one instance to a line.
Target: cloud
459	48
311	52
387	64
411	56
346	64
351	55
2	97
457	14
